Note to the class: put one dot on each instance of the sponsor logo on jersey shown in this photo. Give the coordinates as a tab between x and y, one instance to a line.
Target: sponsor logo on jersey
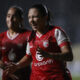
50	61
39	57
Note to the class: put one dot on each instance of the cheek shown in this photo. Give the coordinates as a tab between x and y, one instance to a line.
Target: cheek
29	20
7	19
35	19
39	22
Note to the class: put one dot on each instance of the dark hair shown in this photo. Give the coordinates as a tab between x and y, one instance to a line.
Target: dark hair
19	11
42	10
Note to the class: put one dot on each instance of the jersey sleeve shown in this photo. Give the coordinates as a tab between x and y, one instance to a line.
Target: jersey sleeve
28	53
1	37
61	37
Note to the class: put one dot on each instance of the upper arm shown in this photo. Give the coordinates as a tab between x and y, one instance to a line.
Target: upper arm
66	49
61	37
64	43
28	53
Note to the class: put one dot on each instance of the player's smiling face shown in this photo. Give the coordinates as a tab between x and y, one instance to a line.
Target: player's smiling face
36	21
12	19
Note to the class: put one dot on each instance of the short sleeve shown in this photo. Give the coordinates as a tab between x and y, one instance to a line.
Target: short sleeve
61	37
28	53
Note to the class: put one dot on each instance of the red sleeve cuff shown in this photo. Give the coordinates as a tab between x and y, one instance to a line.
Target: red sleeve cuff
28	55
64	43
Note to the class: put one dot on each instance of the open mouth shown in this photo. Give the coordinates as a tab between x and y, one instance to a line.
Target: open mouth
34	27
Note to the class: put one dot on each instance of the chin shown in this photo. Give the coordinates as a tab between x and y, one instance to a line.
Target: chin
34	28
9	27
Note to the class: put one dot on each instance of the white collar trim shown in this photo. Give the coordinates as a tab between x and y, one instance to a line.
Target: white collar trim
38	35
13	36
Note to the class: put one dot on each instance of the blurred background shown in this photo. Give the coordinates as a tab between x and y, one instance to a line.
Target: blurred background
66	13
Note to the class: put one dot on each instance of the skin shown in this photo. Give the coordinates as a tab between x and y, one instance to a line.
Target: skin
13	23
41	27
38	23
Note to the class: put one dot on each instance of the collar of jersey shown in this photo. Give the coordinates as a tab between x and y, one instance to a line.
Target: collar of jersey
13	36
38	35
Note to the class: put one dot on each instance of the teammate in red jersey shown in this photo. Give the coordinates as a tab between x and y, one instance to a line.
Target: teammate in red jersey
48	47
13	44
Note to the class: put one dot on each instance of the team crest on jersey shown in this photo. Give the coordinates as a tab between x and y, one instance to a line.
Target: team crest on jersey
46	43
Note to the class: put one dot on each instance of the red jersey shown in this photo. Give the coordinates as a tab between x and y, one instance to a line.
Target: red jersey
13	49
48	68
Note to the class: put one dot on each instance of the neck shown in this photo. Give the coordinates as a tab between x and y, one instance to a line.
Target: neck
44	30
11	32
17	30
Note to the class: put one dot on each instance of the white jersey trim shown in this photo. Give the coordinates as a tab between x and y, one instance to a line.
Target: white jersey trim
28	49
13	36
38	35
61	36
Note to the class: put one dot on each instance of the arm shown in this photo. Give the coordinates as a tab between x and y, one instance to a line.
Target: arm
65	55
25	61
65	47
13	67
2	64
64	44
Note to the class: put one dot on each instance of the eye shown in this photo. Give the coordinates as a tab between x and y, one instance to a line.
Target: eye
8	15
29	17
36	16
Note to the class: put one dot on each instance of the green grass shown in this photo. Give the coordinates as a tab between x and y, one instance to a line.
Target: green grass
75	78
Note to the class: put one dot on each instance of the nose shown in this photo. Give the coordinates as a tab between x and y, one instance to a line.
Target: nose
31	19
11	18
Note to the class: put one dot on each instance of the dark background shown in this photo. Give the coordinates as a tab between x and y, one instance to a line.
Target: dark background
66	13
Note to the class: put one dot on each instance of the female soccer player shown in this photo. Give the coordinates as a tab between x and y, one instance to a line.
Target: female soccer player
48	48
13	44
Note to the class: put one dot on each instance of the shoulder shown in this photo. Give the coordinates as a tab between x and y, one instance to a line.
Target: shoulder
3	34
25	31
57	29
28	31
